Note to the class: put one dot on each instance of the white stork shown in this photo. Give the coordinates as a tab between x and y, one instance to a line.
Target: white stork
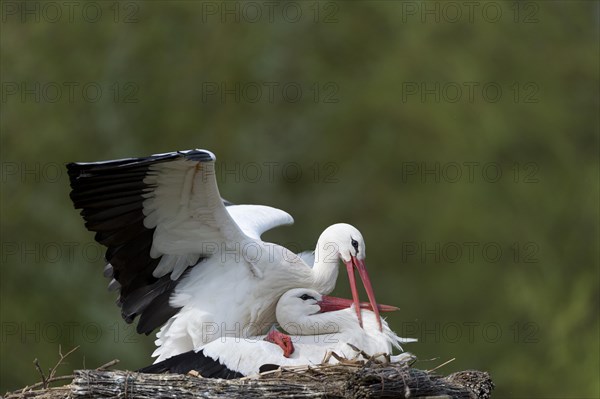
322	329
181	255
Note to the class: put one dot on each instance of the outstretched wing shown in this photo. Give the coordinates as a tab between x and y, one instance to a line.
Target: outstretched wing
160	216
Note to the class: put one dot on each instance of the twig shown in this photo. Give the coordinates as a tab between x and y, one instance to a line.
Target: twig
109	364
52	371
62	357
429	360
40	384
51	378
39	368
441	365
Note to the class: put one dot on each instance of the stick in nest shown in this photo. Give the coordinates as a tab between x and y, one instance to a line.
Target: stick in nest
62	357
36	362
441	365
51	378
108	365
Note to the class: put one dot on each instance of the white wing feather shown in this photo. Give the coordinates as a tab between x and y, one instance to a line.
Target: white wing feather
189	217
254	220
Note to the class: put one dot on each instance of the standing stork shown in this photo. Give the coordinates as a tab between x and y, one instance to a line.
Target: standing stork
182	256
324	325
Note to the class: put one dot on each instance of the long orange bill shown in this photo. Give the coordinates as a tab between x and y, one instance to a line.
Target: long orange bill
364	276
332	303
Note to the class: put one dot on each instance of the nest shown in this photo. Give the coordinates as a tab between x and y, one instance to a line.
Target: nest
349	379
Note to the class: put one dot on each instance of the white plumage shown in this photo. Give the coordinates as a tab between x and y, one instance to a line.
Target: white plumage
179	254
314	334
238	297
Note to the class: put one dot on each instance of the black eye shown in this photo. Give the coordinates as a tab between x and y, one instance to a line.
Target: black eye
355	244
305	297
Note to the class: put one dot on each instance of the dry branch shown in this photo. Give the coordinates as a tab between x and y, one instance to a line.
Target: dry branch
339	381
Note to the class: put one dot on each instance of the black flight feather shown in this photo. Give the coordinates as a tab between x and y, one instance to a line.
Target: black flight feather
183	363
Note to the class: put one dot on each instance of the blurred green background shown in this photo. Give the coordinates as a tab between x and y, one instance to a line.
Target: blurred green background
461	140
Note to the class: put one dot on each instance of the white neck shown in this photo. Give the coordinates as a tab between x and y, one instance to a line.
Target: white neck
326	268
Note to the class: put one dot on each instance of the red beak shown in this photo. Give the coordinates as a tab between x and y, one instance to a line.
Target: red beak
364	276
331	304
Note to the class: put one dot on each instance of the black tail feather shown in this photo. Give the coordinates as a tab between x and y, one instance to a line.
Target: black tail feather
183	363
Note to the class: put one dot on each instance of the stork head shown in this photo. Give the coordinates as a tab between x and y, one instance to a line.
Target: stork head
345	240
347	243
297	306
